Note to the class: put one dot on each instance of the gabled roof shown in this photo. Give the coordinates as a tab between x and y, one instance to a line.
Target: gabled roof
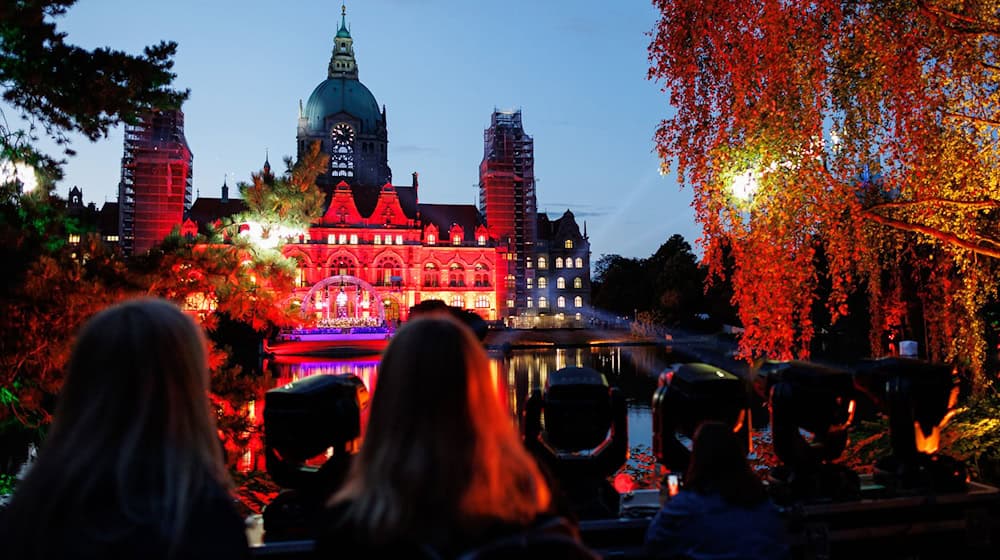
562	228
366	198
107	222
207	210
444	215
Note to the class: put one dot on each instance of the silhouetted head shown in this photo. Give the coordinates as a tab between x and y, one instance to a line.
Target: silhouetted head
719	464
440	451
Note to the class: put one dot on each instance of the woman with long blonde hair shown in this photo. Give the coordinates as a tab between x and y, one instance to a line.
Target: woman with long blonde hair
442	468
132	466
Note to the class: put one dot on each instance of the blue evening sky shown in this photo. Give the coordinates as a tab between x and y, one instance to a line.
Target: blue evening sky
576	68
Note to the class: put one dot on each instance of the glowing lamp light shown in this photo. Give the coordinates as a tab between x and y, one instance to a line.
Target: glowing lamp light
20	173
744	185
341	299
270	237
624	484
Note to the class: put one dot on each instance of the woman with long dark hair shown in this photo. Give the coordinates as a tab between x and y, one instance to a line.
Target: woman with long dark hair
723	510
132	466
442	469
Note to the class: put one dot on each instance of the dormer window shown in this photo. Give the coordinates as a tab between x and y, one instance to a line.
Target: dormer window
456	233
568	244
430	239
481	240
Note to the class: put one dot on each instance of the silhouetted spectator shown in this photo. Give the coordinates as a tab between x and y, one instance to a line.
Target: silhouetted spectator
132	466
723	510
442	469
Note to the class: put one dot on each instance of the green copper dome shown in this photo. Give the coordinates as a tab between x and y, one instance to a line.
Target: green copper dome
346	95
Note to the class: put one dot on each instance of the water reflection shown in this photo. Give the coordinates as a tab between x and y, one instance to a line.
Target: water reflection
633	369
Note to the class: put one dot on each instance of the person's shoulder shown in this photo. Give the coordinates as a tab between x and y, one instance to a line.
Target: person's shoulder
549	536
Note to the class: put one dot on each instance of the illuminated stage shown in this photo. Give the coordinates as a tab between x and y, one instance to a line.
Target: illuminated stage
335	341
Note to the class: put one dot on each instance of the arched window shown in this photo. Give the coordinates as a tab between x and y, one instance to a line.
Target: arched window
543	283
579	262
568	244
543	302
482	275
483	301
578	301
344	266
531	303
560	302
559	262
388	271
456	275
457	301
432	276
561	283
542	263
578	283
481	240
430	239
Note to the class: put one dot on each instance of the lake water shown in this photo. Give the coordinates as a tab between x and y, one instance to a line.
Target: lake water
633	369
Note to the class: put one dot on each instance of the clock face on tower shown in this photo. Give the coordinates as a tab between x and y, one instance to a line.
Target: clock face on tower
342	150
342	134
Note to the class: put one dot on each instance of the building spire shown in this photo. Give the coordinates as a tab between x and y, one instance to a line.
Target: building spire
267	162
342	62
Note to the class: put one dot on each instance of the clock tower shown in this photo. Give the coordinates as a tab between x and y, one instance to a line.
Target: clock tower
343	116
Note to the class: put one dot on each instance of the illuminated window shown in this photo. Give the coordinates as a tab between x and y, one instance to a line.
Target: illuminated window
342	239
74	238
300	277
388	239
354	239
331	238
482	302
559	262
432	277
568	244
399	239
561	283
527	263
457	301
542	263
579	262
543	283
510	303
509	280
578	302
560	302
543	302
430	239
579	316
456	239
578	283
481	240
456	275
531	283
531	302
111	238
377	239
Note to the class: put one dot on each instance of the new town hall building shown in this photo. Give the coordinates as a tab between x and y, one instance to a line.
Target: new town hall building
379	247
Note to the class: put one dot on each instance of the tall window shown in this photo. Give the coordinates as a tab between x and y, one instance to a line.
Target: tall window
354	239
482	301
578	301
530	282
531	303
559	262
457	301
432	276
508	281
579	262
377	239
386	269
542	263
456	275
543	302
560	302
482	276
543	283
343	266
481	240
399	239
561	283
578	283
430	239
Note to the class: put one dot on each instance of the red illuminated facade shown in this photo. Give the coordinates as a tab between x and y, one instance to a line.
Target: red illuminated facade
155	188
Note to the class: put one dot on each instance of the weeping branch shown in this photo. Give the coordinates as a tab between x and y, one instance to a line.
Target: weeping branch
943	236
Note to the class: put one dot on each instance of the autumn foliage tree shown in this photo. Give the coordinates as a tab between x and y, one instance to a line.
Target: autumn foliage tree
867	129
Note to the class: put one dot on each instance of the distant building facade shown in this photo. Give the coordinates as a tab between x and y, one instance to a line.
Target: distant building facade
155	187
378	250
